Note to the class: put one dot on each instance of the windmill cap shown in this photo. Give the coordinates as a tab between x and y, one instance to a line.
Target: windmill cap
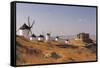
24	27
41	36
33	35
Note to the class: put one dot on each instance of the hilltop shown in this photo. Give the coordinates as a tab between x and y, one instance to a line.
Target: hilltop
39	52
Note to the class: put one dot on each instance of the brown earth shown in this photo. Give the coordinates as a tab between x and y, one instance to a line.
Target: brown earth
35	52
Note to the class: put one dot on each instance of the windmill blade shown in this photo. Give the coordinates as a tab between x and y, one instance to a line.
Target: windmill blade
28	21
33	23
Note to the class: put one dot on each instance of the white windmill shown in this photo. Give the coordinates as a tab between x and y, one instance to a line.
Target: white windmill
57	38
40	37
33	37
47	37
25	30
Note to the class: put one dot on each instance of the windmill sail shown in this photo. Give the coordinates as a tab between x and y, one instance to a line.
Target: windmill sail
28	21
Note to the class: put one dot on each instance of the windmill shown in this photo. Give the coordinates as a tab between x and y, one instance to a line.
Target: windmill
25	29
40	37
48	36
57	37
33	37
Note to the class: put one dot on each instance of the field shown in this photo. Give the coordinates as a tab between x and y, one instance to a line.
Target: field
39	52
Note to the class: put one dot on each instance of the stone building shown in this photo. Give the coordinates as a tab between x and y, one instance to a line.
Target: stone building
84	37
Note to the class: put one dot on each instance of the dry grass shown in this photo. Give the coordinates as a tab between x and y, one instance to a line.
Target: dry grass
35	52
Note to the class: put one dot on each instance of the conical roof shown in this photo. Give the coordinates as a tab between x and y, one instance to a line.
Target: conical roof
57	36
33	35
41	35
48	34
24	27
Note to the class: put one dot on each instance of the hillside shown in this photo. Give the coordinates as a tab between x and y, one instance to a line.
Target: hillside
35	52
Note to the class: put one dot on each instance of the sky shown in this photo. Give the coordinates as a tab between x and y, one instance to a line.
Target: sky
57	19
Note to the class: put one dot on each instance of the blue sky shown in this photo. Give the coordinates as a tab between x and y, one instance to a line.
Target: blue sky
59	20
